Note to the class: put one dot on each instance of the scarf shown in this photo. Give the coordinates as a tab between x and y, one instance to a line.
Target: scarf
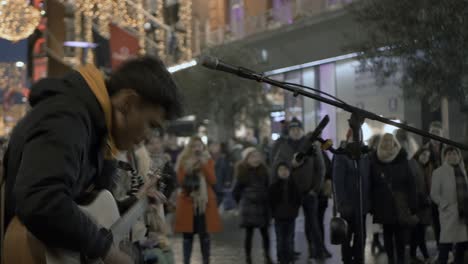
95	80
462	193
200	197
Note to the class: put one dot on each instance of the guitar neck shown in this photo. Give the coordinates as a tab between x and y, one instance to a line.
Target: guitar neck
122	227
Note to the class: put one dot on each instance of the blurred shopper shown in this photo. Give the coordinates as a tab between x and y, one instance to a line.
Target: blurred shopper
285	201
223	169
436	159
422	171
162	163
172	148
266	150
309	176
393	195
407	142
251	193
376	246
449	191
196	209
235	150
347	198
325	195
152	231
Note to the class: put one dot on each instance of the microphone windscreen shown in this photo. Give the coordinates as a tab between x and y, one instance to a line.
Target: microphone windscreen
209	62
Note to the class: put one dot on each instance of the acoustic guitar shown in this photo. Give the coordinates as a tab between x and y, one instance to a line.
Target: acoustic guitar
21	247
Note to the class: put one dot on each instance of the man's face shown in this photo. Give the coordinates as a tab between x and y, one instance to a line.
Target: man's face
133	119
295	133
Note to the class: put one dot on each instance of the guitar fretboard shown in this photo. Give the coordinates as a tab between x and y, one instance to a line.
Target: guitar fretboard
121	228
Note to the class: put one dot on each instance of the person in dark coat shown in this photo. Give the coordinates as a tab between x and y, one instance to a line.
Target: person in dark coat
285	200
223	169
422	171
436	148
393	192
347	199
309	176
325	195
67	143
251	193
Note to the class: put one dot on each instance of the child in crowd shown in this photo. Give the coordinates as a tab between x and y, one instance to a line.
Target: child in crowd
285	200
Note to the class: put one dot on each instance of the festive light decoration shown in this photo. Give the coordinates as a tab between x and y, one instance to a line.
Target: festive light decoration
127	13
185	38
141	29
18	19
160	32
78	29
102	10
88	32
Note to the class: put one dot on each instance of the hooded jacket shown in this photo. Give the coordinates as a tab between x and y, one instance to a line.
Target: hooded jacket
55	153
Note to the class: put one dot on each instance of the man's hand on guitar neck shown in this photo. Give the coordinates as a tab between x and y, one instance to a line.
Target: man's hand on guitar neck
115	256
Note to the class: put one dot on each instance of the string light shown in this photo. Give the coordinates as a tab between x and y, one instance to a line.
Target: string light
78	30
141	29
18	19
88	32
160	32
127	13
184	39
105	18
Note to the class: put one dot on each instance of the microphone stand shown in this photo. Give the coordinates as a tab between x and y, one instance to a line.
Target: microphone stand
358	117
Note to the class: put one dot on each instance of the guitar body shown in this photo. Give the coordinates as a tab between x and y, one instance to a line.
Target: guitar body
21	247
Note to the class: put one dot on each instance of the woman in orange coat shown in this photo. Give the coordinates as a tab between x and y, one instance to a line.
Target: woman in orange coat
196	208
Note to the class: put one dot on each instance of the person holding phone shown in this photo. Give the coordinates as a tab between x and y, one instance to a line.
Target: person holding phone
196	207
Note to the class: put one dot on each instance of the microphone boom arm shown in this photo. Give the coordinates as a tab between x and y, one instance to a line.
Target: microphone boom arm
259	77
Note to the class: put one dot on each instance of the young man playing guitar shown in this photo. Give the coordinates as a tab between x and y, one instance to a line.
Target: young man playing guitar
65	146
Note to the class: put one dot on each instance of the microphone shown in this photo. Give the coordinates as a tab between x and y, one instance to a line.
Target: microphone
309	149
219	65
319	129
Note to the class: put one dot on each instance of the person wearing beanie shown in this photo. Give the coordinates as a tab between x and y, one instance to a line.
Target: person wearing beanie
285	200
309	176
251	193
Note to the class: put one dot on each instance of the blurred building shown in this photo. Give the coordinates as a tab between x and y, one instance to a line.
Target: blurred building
302	41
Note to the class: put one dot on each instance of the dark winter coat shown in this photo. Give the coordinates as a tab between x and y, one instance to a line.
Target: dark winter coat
251	193
285	199
310	175
346	184
55	153
223	172
388	179
423	206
